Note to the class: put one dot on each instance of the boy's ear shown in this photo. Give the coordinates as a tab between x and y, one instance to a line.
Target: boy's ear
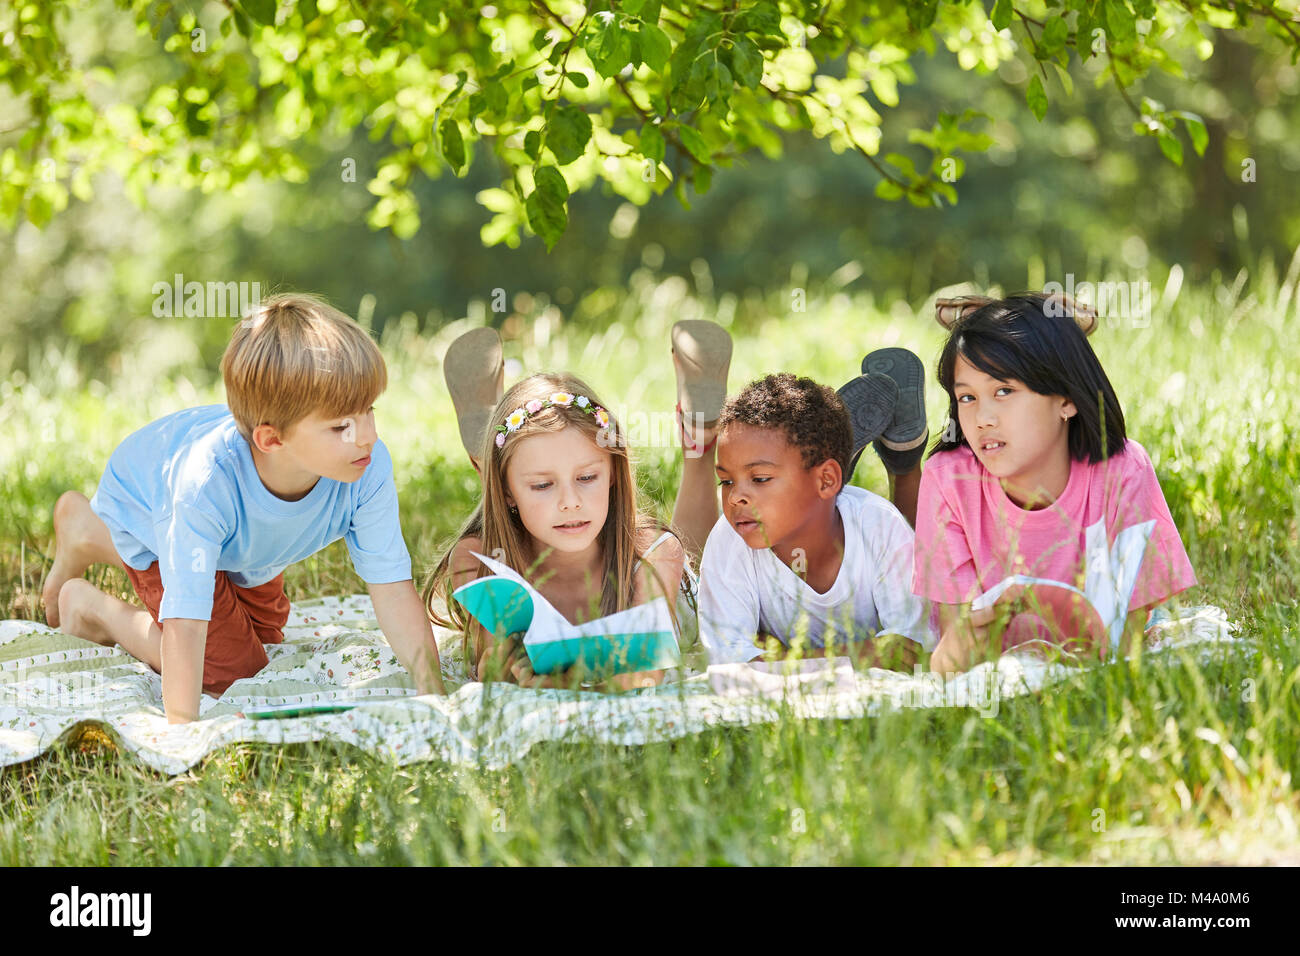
266	437
830	478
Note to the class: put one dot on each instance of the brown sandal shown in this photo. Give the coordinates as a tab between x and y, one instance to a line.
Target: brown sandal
948	312
475	374
703	356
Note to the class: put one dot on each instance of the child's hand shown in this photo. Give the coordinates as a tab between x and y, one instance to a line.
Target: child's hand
964	633
637	680
522	671
888	651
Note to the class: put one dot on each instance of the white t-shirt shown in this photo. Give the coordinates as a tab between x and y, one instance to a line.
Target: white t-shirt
745	590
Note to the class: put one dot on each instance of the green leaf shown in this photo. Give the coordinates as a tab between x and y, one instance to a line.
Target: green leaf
453	145
679	190
646	10
904	163
920	13
763	18
1171	147
1036	97
308	10
546	205
694	143
263	11
568	133
533	144
1120	20
656	48
703	179
888	189
1196	130
652	143
1001	15
1054	36
720	84
497	97
39	210
610	48
578	79
1066	80
747	62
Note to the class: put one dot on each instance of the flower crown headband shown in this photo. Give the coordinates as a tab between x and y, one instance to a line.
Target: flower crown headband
516	419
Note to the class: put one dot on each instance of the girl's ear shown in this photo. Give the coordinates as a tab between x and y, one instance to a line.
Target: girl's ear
1068	410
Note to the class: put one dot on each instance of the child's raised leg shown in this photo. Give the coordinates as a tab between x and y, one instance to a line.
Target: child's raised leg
902	444
80	540
903	491
701	359
475	376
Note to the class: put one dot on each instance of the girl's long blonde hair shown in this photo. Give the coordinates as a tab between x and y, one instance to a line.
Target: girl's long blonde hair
501	532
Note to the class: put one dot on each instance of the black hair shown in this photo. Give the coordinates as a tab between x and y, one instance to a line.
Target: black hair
811	416
1017	338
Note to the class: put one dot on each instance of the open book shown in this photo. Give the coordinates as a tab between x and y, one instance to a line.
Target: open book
1098	611
640	638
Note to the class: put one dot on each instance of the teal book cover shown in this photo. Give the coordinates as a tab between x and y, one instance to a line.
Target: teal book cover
640	638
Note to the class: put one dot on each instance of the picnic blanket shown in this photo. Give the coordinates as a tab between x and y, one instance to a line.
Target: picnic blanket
53	687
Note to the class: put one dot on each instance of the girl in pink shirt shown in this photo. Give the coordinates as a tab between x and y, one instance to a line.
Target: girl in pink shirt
1035	452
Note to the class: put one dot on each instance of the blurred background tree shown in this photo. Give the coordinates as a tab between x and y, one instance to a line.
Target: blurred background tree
303	145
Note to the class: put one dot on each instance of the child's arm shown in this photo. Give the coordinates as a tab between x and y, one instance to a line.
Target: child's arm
660	575
183	643
964	634
488	658
405	623
964	640
890	651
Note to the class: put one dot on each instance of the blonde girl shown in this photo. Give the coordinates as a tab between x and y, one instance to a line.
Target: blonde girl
560	507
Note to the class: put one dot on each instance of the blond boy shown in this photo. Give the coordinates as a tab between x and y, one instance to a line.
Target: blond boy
205	508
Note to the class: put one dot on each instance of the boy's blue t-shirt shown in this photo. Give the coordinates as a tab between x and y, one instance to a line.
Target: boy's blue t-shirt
183	491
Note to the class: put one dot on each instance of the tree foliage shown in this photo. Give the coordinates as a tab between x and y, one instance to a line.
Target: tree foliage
640	95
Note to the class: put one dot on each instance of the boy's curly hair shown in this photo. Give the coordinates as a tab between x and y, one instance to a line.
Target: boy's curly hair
811	416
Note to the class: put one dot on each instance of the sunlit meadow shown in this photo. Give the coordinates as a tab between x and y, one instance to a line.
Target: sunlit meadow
1179	758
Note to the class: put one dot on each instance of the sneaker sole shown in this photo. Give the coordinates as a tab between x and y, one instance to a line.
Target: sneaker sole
870	400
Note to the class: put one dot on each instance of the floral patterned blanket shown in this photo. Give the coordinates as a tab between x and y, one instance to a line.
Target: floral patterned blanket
55	688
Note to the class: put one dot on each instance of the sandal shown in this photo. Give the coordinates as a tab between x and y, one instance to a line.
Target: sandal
702	352
902	443
475	374
948	312
870	400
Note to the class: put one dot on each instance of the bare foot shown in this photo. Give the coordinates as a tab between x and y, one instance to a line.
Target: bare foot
76	529
75	608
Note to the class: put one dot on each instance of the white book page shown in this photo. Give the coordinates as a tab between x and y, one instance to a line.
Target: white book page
1110	575
1111	572
546	619
550	625
651	617
990	597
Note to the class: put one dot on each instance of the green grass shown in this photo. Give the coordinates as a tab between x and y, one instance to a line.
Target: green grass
1178	758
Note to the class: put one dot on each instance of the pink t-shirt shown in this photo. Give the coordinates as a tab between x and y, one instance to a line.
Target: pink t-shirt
970	535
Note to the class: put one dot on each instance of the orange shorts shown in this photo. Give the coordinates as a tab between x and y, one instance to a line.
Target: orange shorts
243	619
